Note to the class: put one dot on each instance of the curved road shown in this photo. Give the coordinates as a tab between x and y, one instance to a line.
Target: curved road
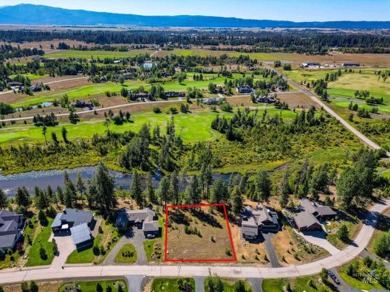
229	271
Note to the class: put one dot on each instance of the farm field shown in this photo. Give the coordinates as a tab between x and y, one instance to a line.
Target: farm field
200	227
96	54
380	60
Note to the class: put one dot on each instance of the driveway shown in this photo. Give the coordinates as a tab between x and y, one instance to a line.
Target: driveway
319	238
272	257
134	236
65	247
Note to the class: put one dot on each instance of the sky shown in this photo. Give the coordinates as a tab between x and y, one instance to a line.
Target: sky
295	10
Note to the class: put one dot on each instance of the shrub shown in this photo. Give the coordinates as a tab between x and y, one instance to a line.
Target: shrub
157	110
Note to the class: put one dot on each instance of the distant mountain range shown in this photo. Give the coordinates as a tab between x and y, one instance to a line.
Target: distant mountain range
27	14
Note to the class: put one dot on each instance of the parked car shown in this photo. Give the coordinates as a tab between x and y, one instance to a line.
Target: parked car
150	236
334	278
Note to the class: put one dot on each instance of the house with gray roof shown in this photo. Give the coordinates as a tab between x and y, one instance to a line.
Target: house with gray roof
77	223
318	210
145	219
259	219
11	228
306	221
311	214
82	236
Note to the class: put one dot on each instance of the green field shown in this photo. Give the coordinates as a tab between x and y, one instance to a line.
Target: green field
169	284
191	127
96	54
347	84
91	285
127	254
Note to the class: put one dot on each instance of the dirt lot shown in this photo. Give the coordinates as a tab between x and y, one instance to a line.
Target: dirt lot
209	238
297	100
291	249
247	252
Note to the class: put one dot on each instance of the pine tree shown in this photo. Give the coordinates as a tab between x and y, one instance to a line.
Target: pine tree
237	203
263	185
174	188
219	192
3	199
22	197
136	189
103	183
80	185
41	201
163	190
193	191
150	194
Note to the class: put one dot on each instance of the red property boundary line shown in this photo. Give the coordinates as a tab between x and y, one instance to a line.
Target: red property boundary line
189	206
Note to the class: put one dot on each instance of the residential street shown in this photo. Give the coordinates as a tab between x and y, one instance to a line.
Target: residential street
91	272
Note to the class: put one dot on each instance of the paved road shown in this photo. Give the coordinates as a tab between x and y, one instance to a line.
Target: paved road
229	271
343	287
135	283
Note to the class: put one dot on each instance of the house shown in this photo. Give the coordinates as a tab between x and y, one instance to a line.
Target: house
11	227
255	220
78	224
310	64
306	221
245	89
148	65
319	211
311	214
351	65
36	88
175	94
265	99
82	236
211	101
145	219
69	218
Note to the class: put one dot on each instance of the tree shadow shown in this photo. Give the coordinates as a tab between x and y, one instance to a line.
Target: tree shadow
178	217
207	218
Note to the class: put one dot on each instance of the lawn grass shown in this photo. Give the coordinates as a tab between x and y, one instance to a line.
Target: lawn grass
41	239
297	284
357	284
127	254
91	285
229	285
169	284
382	227
107	240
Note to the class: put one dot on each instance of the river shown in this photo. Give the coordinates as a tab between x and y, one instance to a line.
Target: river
55	178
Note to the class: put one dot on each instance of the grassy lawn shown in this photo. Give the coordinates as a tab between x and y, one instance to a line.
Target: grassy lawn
91	285
96	54
127	254
105	241
298	284
383	226
170	284
42	235
229	285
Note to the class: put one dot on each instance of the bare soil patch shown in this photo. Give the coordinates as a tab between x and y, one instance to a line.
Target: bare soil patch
198	234
297	100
